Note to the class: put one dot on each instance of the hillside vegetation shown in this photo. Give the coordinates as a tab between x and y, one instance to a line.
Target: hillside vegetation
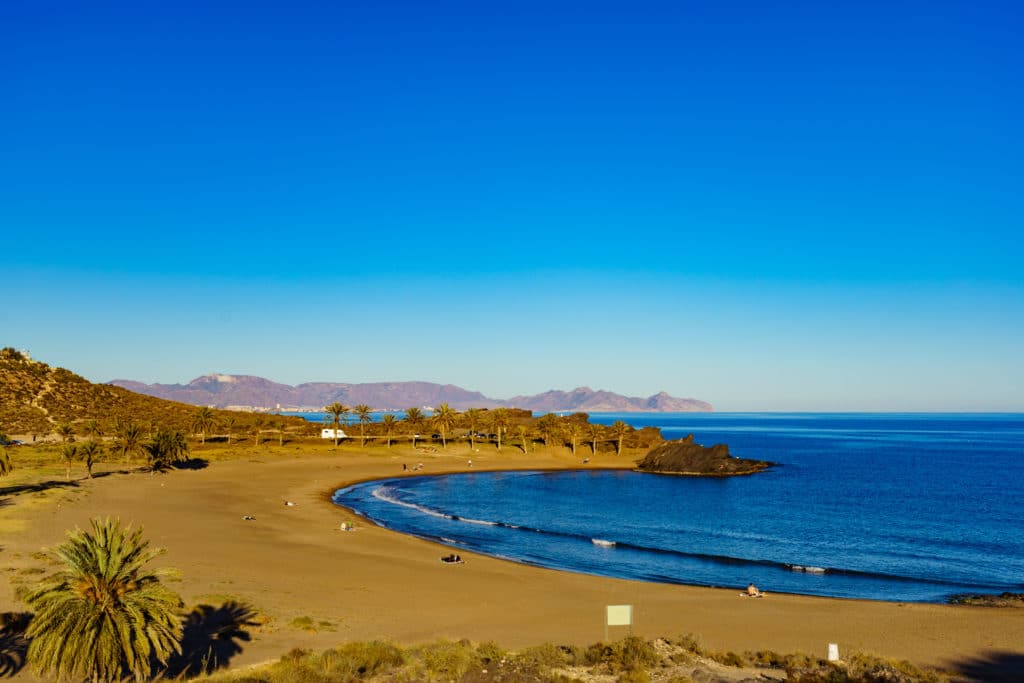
36	398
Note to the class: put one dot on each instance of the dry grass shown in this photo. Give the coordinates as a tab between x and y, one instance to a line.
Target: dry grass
631	660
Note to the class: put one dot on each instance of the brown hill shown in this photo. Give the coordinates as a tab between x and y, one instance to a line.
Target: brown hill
686	457
35	398
248	390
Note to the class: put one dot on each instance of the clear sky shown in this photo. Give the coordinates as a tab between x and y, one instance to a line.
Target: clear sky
768	206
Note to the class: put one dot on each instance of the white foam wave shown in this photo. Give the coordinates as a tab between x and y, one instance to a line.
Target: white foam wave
808	570
477	521
386	494
603	543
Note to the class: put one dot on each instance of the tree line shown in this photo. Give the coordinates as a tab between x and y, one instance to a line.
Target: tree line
160	447
498	426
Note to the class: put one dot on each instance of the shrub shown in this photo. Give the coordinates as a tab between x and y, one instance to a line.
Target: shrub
627	654
448	660
690	643
728	658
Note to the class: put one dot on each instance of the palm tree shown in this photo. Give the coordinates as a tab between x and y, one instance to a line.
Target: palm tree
90	452
128	439
202	421
336	410
257	427
474	416
595	432
363	412
499	423
66	432
521	431
103	615
619	431
280	432
229	424
444	420
93	430
166	448
68	453
389	422
573	430
414	418
549	426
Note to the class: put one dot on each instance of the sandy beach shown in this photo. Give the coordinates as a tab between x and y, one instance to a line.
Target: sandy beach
292	562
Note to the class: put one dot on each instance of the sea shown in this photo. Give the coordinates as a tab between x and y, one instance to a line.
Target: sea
895	507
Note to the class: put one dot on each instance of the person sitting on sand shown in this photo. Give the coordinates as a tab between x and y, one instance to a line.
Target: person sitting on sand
452	559
753	592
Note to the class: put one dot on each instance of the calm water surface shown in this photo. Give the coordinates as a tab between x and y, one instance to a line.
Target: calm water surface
887	507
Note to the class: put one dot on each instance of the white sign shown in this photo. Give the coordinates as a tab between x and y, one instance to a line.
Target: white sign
620	615
833	652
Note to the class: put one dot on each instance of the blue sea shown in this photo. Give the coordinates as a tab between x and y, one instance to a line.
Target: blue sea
899	507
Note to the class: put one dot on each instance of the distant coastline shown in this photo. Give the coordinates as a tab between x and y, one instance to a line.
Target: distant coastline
251	393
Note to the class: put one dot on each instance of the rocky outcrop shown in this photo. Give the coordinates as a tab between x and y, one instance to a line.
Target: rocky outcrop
688	458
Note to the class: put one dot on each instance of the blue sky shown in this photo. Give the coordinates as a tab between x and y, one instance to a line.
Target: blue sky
803	206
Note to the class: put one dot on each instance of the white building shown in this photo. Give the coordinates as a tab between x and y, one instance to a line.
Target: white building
329	434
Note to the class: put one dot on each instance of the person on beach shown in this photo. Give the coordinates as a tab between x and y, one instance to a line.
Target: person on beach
752	591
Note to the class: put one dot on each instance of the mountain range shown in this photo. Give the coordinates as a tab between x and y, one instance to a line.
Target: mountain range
248	392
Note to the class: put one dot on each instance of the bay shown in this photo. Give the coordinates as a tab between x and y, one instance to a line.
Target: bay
902	507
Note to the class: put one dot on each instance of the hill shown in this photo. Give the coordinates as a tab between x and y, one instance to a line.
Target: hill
251	391
36	397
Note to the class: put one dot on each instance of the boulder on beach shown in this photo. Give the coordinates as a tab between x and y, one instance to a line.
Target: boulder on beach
688	458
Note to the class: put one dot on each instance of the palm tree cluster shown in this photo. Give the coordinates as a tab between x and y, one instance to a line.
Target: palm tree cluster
502	424
165	449
103	616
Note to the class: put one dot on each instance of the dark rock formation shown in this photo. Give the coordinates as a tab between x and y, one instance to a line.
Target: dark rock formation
689	458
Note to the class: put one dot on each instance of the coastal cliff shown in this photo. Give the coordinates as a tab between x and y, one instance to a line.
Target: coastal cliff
685	457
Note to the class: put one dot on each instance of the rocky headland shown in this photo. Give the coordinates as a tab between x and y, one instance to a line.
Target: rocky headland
684	457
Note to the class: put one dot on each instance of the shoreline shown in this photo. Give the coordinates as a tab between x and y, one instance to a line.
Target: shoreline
294	562
981	598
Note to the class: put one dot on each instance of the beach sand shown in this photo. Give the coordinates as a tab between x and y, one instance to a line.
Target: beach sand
294	562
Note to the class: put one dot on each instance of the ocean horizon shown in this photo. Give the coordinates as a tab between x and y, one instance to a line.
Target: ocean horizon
884	506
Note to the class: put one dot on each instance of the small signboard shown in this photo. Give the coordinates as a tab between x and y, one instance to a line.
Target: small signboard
617	615
620	615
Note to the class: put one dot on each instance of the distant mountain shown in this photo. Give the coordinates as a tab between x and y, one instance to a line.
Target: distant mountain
586	400
247	391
